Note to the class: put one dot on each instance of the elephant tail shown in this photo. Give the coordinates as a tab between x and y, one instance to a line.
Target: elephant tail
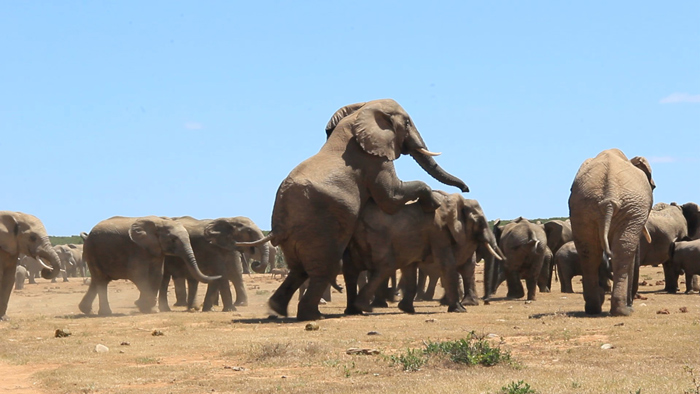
268	237
608	207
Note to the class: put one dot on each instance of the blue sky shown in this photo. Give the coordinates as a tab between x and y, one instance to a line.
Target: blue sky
202	108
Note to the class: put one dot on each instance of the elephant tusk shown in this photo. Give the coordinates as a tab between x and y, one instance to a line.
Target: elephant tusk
411	202
493	252
646	234
427	152
43	265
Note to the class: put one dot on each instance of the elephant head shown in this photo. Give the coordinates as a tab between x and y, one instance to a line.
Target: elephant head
642	163
163	236
383	128
558	233
227	232
21	233
66	256
467	223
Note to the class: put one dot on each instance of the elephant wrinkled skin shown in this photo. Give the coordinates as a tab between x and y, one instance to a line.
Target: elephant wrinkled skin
134	249
610	201
21	233
319	203
685	256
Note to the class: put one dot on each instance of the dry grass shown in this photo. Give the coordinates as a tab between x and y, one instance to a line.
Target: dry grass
555	347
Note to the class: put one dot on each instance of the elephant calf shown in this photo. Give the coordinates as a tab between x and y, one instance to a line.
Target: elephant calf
685	255
569	265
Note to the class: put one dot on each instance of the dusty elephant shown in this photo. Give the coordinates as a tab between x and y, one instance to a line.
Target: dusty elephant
72	257
214	245
134	249
319	203
34	267
524	245
685	256
447	237
20	277
21	233
610	201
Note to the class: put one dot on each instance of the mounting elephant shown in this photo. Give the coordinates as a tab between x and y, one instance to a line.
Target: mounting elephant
685	256
446	237
524	245
214	246
610	201
318	205
558	233
134	249
668	223
568	265
21	233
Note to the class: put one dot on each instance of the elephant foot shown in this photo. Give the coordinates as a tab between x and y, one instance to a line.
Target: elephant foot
379	304
407	307
86	309
515	295
532	298
180	303
443	301
306	314
671	290
4	318
352	310
65	280
593	309
277	308
164	308
229	308
470	301
545	289
241	303
206	308
144	306
459	308
105	312
622	311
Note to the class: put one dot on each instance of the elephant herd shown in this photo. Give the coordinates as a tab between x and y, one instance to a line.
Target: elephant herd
344	210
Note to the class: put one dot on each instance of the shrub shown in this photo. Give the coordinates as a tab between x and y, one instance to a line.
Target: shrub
519	387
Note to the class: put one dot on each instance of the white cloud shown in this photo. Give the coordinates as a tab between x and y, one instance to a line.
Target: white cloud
681	98
662	159
193	126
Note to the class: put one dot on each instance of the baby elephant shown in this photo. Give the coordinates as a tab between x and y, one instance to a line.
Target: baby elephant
685	255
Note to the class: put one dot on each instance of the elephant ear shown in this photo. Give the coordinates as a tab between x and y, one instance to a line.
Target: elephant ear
497	230
375	131
642	163
9	228
144	232
339	115
456	218
218	232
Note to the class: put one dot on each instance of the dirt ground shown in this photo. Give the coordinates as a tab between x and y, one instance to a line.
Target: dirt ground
556	347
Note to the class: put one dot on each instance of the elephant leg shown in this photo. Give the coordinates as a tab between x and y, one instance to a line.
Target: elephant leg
327	294
226	296
241	293
7	282
623	272
420	293
180	291
688	282
467	271
163	293
432	284
515	287
212	292
375	280
380	295
302	288
670	278
85	305
351	277
192	286
281	297
104	309
543	277
308	305
409	276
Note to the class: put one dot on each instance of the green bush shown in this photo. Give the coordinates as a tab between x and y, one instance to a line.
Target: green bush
519	387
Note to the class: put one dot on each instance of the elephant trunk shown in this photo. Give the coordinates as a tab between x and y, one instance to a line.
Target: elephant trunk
493	267
46	251
192	266
430	166
265	258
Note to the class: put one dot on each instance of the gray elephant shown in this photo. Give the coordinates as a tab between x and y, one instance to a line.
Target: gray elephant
527	256
667	223
252	257
72	257
568	265
447	237
558	233
34	267
318	205
214	245
21	233
610	201
466	288
21	275
685	256
134	249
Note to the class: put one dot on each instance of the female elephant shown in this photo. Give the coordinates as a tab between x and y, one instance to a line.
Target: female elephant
685	256
21	233
610	200
558	233
524	245
319	203
72	257
134	249
214	246
447	237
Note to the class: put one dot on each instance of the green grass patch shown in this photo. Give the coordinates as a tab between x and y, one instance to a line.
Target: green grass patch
519	387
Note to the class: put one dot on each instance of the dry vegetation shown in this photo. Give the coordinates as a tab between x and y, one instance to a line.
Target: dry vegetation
555	348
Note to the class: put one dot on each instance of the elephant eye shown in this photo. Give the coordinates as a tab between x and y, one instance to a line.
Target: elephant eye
32	238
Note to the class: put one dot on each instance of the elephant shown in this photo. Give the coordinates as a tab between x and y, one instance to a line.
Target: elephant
21	275
252	257
134	248
568	265
34	267
214	246
447	237
22	233
527	256
558	233
666	224
685	256
72	257
319	203
610	201
466	278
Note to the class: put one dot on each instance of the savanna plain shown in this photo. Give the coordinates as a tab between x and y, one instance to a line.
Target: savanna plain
553	346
